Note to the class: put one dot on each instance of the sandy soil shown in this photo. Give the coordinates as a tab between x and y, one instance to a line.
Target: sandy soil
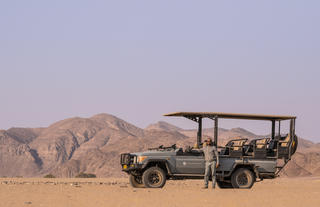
30	192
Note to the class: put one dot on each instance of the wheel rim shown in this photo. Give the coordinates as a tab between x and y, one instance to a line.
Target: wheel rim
155	178
242	179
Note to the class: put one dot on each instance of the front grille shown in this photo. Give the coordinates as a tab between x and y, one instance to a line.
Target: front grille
126	159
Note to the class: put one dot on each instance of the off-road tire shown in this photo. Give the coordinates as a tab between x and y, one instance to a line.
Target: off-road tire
242	178
294	144
223	184
154	177
135	181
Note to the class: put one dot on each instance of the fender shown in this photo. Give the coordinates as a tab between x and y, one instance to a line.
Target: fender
153	162
251	166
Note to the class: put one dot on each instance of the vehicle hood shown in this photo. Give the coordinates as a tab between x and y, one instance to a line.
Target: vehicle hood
154	153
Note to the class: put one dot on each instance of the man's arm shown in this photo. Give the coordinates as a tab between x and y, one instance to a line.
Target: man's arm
201	147
215	150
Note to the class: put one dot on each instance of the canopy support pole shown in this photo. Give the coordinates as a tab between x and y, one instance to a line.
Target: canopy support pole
199	135
216	131
273	131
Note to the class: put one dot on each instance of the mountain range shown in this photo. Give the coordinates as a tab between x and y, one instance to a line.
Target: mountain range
93	145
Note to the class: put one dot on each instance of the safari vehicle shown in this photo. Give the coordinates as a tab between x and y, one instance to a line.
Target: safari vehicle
242	162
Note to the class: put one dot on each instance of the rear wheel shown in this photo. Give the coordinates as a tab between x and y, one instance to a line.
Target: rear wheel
242	178
154	177
136	181
223	184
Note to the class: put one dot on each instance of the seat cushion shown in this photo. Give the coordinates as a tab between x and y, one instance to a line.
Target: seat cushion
238	144
285	142
261	143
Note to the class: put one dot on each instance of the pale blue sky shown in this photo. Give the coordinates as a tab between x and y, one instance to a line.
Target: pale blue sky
140	59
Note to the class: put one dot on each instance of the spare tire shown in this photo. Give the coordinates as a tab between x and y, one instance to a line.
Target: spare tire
294	144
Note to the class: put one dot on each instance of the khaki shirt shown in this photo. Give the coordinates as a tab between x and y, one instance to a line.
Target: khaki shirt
210	153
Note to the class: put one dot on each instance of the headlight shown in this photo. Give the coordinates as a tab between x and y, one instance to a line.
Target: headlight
141	158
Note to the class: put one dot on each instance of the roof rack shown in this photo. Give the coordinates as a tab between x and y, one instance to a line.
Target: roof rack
212	115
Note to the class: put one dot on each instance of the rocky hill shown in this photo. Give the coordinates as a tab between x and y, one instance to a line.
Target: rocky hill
93	145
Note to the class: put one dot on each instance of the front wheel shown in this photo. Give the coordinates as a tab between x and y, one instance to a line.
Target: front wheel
154	177
242	178
136	181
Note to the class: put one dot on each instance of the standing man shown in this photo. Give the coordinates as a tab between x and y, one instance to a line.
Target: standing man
211	157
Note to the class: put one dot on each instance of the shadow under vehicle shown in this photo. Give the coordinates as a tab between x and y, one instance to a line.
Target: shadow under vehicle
242	161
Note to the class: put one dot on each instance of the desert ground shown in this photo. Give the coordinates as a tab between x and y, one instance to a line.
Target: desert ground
17	192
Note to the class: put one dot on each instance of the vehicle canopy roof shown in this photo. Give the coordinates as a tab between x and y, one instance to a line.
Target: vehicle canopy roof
212	115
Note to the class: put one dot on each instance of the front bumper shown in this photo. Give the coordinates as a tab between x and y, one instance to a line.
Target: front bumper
128	162
127	168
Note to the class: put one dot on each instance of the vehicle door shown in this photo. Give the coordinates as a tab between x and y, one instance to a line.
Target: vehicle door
190	163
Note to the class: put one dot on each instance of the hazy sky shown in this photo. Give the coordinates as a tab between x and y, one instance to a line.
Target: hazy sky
140	59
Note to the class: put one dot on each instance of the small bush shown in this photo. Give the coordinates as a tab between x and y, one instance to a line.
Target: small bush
49	176
86	175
